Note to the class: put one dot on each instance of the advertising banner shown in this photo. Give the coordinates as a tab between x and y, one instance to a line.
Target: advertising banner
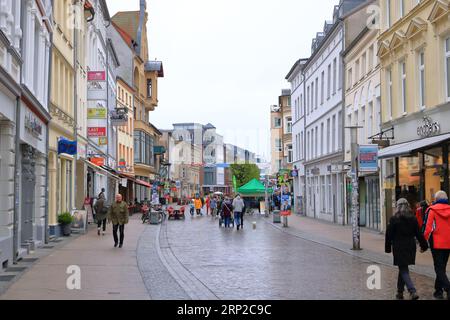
97	113
96	132
368	158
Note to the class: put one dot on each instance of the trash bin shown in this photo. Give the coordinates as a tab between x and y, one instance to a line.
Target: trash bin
276	216
154	217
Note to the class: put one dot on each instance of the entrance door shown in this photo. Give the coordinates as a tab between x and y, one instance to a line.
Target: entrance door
28	182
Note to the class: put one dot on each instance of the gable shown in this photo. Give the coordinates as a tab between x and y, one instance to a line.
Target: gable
439	11
416	27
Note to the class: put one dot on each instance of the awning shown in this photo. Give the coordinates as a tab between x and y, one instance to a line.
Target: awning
143	183
408	148
101	170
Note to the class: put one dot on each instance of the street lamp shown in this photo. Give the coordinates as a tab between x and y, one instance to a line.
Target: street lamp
355	210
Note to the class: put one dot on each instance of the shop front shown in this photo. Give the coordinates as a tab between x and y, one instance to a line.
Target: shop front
417	169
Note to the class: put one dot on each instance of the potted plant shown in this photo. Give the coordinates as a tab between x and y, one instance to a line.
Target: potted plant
65	219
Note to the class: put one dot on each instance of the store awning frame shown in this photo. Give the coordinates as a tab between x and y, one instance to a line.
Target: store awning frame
409	148
101	170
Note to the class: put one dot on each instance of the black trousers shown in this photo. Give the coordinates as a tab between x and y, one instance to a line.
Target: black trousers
242	219
440	258
121	228
99	224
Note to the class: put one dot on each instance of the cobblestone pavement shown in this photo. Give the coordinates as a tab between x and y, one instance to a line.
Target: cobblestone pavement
265	263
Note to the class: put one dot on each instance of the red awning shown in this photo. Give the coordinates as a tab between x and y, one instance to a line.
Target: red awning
143	183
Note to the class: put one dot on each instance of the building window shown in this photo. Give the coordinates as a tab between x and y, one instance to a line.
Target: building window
312	96
334	75
277	123
350	79
447	66
322	147
389	92
278	145
317	92
290	153
403	85
288	125
329	82
333	137
422	79
402	8
149	88
322	88
388	13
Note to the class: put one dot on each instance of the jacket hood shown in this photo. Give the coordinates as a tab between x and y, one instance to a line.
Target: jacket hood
443	210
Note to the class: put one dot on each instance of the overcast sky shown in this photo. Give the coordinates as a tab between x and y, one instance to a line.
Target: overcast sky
225	60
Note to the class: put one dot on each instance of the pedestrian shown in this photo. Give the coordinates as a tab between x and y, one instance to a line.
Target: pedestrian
208	205
198	206
437	232
192	207
227	209
213	205
401	233
118	215
238	207
420	213
101	214
101	195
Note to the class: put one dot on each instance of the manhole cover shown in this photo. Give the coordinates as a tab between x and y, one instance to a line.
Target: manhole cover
6	278
15	269
29	260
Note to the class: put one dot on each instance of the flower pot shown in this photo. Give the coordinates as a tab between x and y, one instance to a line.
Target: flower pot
66	230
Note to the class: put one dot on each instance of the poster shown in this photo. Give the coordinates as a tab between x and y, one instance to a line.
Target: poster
368	158
79	223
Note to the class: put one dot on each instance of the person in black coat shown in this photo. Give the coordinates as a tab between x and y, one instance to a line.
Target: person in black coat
401	235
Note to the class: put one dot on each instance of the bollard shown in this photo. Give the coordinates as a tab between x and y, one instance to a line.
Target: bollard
254	225
285	222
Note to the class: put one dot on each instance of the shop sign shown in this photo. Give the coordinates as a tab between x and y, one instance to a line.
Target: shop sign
102	141
428	128
122	164
98	161
96	76
96	132
33	125
119	118
97	113
368	158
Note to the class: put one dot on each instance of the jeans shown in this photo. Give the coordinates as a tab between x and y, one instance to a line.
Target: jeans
237	218
121	228
99	224
405	279
227	221
440	258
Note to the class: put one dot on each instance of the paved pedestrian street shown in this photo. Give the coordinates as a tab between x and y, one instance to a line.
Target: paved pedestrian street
195	259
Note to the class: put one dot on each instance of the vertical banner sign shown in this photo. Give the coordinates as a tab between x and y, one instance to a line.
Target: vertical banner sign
368	158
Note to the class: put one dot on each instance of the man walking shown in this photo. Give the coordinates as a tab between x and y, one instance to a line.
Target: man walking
118	215
437	232
238	207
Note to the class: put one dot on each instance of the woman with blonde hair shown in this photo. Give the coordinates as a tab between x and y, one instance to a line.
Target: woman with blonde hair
401	235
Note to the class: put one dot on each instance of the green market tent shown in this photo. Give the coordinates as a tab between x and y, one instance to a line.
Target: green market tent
253	189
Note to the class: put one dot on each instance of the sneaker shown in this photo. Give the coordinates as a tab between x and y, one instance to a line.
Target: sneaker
414	296
115	245
438	295
399	296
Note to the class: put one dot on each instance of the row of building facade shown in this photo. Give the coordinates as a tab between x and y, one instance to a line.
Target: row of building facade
200	159
76	91
380	67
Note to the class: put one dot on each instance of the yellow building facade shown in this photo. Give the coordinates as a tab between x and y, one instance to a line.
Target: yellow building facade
61	167
414	52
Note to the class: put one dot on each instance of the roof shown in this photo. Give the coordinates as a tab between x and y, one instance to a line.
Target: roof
254	187
296	64
125	36
209	126
155	66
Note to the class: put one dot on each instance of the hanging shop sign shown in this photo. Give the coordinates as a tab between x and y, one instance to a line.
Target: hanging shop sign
96	76
428	128
368	158
102	141
97	132
67	147
97	113
119	117
98	161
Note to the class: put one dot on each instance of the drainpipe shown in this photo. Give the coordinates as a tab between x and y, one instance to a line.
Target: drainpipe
47	142
16	182
75	107
343	83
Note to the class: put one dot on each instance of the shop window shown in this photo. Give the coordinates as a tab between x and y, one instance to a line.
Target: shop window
409	179
433	173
